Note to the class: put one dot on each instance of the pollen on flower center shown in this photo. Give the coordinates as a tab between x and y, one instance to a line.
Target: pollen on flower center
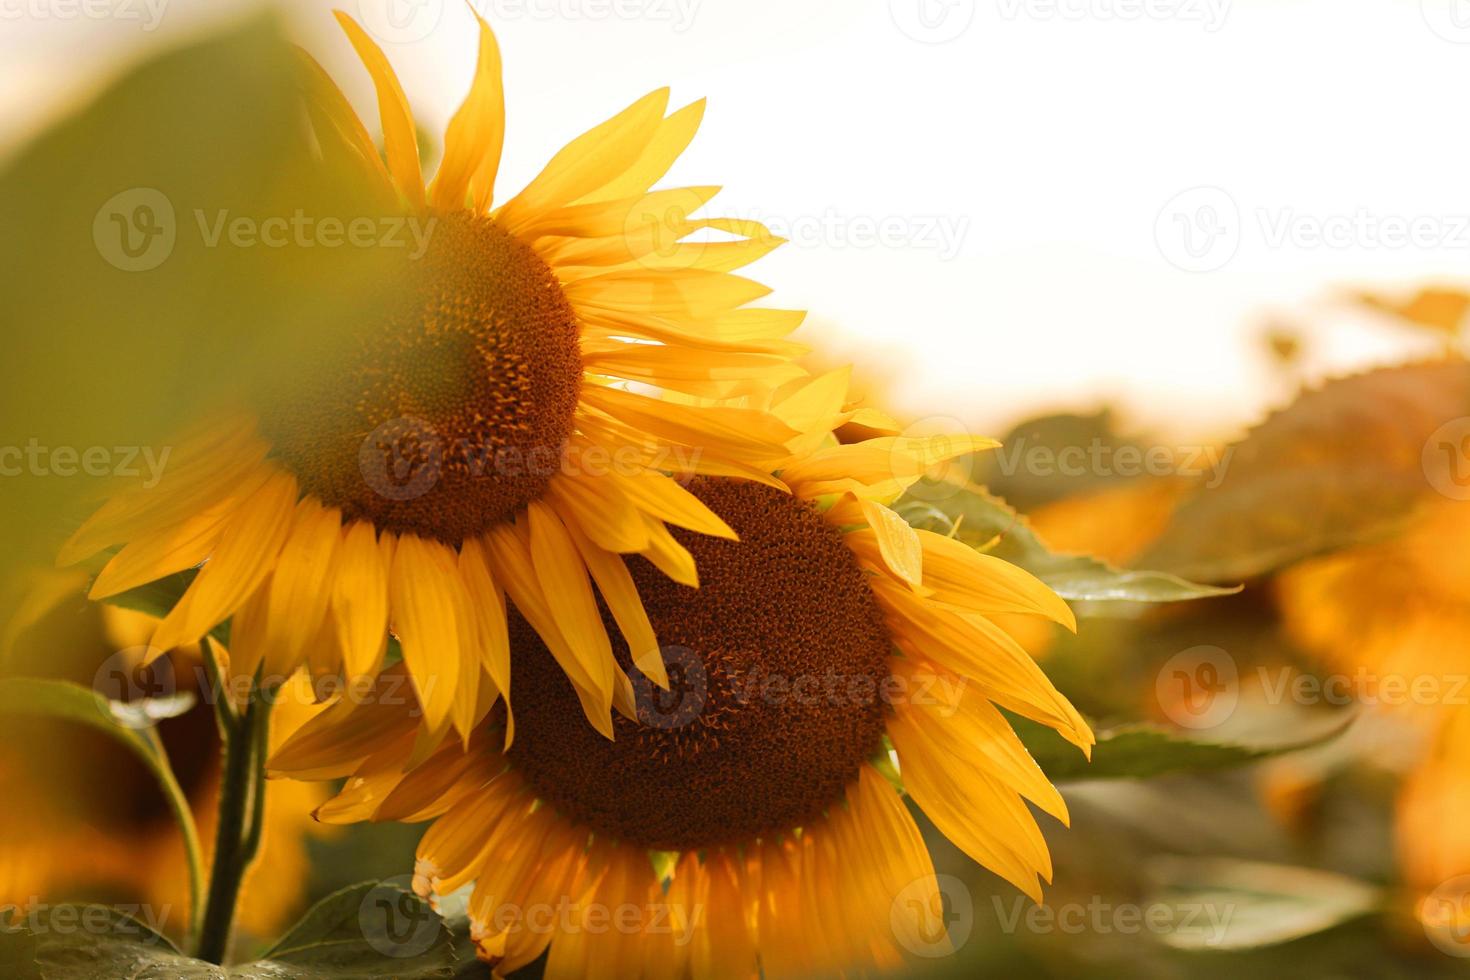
448	410
778	665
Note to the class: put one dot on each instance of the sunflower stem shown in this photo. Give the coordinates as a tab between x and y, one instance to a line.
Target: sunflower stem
241	811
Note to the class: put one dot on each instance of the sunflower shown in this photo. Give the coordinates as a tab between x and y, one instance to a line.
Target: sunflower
748	821
94	823
491	431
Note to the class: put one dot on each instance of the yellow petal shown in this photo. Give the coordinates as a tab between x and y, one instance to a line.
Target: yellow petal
563	577
589	162
247	551
672	138
359	597
427	607
399	136
615	583
476	134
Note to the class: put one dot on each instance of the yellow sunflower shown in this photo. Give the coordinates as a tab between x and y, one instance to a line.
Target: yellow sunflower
746	822
484	436
88	821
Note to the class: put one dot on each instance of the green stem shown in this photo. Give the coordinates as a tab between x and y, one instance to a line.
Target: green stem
241	808
178	803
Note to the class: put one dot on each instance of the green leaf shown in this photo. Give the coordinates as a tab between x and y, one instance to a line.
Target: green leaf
1038	461
989	524
1342	464
1145	751
129	724
366	930
370	930
1226	904
80	942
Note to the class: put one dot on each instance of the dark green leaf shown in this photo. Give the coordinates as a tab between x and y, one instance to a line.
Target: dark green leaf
988	523
1143	752
372	930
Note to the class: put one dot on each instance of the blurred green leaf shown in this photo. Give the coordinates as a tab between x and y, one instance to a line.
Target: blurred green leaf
370	930
1035	464
1249	904
130	318
1146	751
1343	463
130	724
990	524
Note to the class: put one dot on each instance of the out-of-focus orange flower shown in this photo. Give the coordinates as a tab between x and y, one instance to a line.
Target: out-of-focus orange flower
1394	617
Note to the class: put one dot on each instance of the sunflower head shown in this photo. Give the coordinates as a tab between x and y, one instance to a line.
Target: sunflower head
828	652
513	412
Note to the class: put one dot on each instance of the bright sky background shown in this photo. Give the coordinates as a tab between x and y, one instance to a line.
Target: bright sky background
1018	161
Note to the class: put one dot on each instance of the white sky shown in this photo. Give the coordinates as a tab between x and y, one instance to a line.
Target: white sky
1023	160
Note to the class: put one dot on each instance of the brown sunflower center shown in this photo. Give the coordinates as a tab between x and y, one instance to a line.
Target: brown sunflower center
449	409
777	665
